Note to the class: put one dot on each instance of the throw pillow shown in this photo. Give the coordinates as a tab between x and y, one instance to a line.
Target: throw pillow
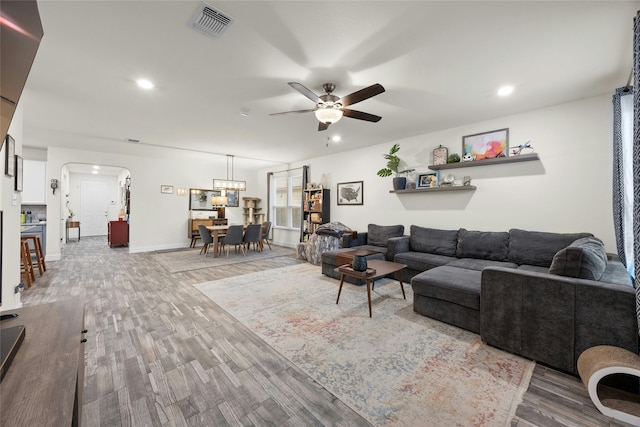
433	240
585	258
377	235
490	245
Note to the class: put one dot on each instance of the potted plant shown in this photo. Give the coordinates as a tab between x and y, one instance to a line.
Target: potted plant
393	162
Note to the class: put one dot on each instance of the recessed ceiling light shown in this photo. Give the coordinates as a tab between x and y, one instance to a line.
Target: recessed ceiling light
505	90
336	138
145	84
94	172
96	167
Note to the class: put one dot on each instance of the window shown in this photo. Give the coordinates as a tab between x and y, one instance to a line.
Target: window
286	190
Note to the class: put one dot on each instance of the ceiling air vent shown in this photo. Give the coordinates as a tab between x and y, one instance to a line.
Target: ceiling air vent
210	22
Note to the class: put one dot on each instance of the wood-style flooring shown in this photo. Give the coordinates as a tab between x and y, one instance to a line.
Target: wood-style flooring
159	353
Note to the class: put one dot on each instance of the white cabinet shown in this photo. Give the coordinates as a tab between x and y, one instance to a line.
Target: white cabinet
34	183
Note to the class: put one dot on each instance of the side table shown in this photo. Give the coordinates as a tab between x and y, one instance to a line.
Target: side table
73	224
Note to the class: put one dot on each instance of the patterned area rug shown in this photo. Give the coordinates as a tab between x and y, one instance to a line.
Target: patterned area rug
396	369
190	259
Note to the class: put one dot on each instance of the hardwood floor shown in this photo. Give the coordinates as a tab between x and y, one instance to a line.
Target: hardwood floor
159	353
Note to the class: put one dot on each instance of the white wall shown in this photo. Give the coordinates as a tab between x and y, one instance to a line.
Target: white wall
157	221
568	190
10	206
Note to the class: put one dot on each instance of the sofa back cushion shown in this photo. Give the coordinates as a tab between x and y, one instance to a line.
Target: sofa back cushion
433	240
585	258
377	235
538	247
489	245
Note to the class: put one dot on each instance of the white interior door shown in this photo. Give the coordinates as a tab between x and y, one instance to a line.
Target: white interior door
94	207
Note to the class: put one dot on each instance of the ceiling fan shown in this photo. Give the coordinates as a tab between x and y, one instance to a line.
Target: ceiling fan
329	108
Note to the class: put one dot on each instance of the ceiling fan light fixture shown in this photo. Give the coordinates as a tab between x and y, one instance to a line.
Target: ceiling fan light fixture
328	115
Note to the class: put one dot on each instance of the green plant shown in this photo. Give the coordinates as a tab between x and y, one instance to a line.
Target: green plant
393	162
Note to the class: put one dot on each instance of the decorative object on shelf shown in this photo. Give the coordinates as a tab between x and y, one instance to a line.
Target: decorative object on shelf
447	181
9	160
18	184
468	158
486	145
393	162
229	184
518	149
427	180
453	158
359	263
166	189
440	155
350	193
466	181
530	157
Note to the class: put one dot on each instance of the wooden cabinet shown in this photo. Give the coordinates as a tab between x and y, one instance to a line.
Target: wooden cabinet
118	233
192	230
43	384
315	210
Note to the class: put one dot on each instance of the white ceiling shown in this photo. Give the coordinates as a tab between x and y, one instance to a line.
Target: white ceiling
440	62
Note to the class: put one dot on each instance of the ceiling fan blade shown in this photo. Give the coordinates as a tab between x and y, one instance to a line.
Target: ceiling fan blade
362	94
354	114
293	112
322	126
305	91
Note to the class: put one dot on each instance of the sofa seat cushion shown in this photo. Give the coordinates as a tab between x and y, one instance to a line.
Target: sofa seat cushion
585	258
452	284
616	274
433	240
491	245
421	261
479	264
536	268
538	247
377	235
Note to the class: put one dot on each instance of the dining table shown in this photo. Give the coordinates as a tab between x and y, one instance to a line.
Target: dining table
218	231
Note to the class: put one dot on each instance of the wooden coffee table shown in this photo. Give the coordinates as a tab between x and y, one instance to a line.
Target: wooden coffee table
382	268
346	257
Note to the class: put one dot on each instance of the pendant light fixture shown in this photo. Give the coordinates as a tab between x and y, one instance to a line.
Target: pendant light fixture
229	184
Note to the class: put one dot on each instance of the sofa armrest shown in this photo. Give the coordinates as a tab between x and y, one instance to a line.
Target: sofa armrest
551	318
348	241
396	245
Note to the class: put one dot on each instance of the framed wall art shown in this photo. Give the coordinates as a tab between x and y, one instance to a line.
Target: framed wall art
234	198
9	159
486	145
18	163
166	189
350	193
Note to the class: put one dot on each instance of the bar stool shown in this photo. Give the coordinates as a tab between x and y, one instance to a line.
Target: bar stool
38	259
26	266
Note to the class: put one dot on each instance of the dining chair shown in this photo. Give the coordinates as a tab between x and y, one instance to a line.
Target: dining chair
266	228
206	237
234	237
253	235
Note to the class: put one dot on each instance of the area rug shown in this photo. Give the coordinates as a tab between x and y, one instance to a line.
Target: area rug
190	259
397	368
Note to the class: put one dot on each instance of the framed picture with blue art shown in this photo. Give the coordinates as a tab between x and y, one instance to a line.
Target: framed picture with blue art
233	198
486	145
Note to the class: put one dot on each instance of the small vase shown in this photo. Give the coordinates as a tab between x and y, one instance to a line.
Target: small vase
399	183
359	263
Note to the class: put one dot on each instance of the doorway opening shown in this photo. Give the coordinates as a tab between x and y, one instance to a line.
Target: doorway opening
92	196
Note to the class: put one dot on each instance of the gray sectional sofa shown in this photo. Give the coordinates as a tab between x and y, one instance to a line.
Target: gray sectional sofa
545	296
